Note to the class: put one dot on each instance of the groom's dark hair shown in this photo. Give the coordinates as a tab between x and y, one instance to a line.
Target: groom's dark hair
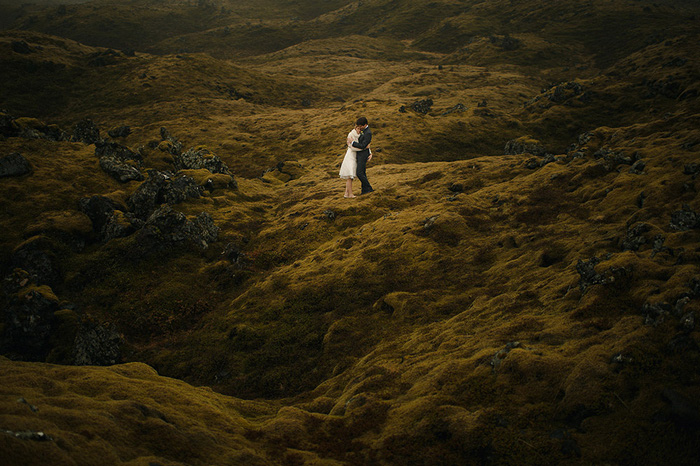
362	121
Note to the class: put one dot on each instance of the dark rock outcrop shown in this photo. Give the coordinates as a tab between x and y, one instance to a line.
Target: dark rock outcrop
97	345
422	106
457	108
116	151
86	131
635	237
120	170
160	188
108	220
14	165
590	277
197	158
37	257
29	317
173	145
524	146
685	219
167	228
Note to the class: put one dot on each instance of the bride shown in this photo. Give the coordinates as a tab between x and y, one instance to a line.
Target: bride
348	169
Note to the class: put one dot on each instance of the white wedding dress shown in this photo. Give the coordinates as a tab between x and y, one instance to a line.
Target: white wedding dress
348	169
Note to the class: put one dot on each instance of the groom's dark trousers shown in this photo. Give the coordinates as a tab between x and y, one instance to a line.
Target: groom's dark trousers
362	156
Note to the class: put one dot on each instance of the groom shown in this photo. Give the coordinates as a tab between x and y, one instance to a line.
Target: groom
364	155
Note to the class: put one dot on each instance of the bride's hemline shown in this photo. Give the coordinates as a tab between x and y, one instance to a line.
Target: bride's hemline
348	177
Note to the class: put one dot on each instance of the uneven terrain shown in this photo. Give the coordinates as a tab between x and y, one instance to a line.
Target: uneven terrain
521	288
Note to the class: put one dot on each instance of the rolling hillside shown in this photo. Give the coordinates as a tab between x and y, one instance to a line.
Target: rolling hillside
183	282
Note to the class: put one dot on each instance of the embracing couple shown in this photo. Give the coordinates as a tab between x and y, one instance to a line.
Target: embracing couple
356	157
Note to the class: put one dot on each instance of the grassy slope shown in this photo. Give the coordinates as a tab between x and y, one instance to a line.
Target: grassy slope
397	317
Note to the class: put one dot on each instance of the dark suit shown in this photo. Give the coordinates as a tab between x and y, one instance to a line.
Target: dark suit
362	156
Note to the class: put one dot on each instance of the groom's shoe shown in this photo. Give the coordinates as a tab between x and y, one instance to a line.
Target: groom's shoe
367	192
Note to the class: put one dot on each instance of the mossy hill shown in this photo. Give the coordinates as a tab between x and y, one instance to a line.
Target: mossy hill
521	288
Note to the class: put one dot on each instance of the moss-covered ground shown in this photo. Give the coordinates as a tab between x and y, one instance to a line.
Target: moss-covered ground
449	317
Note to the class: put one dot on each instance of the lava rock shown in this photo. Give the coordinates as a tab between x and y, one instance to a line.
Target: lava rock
99	209
614	158
119	226
174	146
97	345
457	108
635	237
422	106
116	151
86	131
685	219
532	163
589	277
687	322
524	146
654	314
197	158
233	253
120	170
14	165
483	103
120	132
29	318
37	257
160	188
166	228
328	215
108	220
564	91
456	188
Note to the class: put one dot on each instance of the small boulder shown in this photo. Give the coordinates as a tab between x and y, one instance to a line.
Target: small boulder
97	345
635	237
37	256
29	318
86	131
524	145
685	219
160	188
200	157
172	145
116	151
14	165
422	106
457	108
166	228
120	170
